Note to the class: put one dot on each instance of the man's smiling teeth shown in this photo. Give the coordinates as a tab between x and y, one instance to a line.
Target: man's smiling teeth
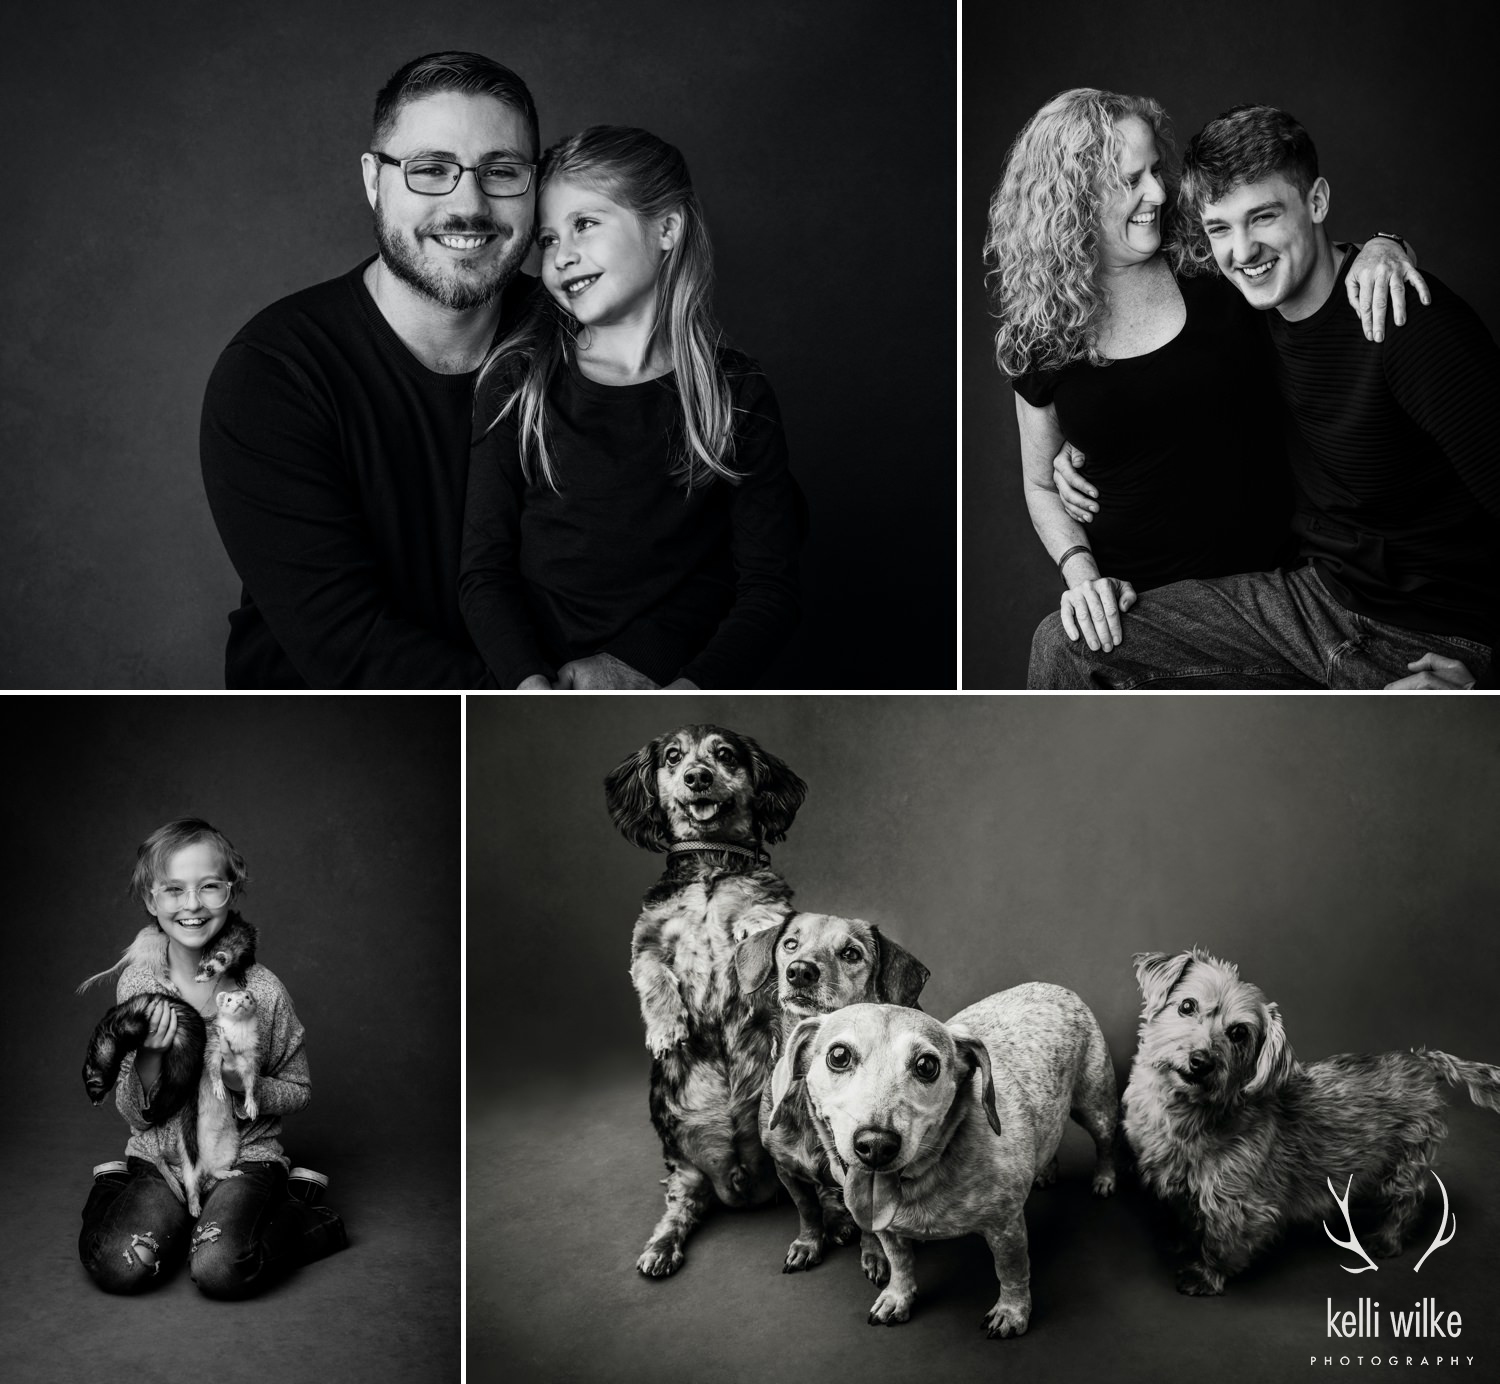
1256	271
576	286
461	242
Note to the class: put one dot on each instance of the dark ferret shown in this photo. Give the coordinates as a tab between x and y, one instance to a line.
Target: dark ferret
124	1028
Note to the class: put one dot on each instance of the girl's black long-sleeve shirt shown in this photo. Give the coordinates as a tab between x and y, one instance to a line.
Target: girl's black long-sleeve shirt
623	559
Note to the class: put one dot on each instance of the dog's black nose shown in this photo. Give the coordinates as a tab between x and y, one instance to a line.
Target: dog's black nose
802	973
697	777
1200	1061
876	1147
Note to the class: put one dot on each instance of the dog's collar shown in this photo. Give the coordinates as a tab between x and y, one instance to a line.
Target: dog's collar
733	847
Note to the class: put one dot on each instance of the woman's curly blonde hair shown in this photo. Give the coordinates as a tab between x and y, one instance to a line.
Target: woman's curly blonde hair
1043	243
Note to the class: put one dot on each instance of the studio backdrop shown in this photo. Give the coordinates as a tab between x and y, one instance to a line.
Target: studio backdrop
1397	103
222	153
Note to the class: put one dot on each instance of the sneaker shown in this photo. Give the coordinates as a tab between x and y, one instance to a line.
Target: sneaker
324	1234
117	1166
306	1186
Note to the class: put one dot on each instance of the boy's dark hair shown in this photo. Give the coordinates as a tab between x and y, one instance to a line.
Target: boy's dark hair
1245	145
469	73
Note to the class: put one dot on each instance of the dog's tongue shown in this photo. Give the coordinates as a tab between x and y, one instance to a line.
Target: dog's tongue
872	1198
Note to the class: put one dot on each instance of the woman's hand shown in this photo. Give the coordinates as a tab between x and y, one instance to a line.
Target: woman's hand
1434	673
1092	609
1078	497
1380	274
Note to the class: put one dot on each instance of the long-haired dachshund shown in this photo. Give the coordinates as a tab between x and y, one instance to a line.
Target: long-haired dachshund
1227	1124
816	963
712	800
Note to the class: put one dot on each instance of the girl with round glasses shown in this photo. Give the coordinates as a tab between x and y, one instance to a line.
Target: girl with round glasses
631	521
254	1226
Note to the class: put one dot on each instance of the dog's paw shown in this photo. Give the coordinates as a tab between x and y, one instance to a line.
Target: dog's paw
1045	1177
872	1260
1198	1280
1104	1182
839	1230
891	1307
1010	1316
803	1253
660	1258
662	1038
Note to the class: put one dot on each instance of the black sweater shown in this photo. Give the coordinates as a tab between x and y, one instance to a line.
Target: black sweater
335	464
1399	484
625	561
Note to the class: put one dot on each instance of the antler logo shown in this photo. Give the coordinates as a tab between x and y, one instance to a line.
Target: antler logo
1446	1232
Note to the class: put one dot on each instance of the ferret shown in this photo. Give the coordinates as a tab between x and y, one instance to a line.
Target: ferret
208	1155
208	1137
123	1029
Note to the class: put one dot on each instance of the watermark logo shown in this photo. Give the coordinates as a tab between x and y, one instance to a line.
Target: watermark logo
1446	1230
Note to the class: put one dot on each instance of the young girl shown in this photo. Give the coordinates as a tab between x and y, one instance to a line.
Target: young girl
254	1226
631	521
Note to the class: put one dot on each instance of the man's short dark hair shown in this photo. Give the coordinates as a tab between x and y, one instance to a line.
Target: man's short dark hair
1245	145
469	73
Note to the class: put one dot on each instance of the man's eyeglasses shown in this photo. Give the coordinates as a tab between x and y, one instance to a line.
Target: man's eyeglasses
214	894
438	177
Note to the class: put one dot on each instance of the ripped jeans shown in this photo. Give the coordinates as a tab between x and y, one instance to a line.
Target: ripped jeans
250	1234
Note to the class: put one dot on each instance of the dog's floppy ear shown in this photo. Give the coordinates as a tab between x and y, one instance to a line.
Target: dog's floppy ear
630	795
976	1057
791	1067
755	958
1156	973
1274	1062
778	792
899	976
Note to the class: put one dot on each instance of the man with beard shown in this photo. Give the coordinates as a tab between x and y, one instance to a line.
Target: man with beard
336	425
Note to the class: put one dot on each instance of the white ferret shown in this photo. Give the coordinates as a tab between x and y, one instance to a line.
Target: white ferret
232	1040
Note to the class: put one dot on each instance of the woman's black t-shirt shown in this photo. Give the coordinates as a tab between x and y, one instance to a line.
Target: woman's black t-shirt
1185	445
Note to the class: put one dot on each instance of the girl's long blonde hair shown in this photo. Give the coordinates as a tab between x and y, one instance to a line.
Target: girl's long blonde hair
1043	243
648	177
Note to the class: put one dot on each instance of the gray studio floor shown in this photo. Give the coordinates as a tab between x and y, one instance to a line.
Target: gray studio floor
563	1190
383	1310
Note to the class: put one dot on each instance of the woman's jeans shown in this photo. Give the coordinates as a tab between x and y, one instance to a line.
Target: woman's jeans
249	1235
1266	631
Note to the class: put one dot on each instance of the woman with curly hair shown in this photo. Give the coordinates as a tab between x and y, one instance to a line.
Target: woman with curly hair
1123	341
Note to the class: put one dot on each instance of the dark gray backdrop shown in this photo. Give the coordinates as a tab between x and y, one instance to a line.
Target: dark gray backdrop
174	168
347	812
1397	100
1341	851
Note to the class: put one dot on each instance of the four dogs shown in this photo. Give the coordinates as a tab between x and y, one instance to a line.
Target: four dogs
789	1047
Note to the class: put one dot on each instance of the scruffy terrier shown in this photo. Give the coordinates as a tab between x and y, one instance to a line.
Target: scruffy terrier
1226	1123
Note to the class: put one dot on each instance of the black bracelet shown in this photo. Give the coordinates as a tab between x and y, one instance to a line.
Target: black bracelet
1400	240
1073	552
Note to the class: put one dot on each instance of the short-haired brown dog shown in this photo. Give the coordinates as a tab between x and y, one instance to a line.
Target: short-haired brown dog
821	963
1226	1123
938	1130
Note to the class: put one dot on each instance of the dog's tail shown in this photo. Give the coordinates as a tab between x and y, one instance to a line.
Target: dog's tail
1479	1079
